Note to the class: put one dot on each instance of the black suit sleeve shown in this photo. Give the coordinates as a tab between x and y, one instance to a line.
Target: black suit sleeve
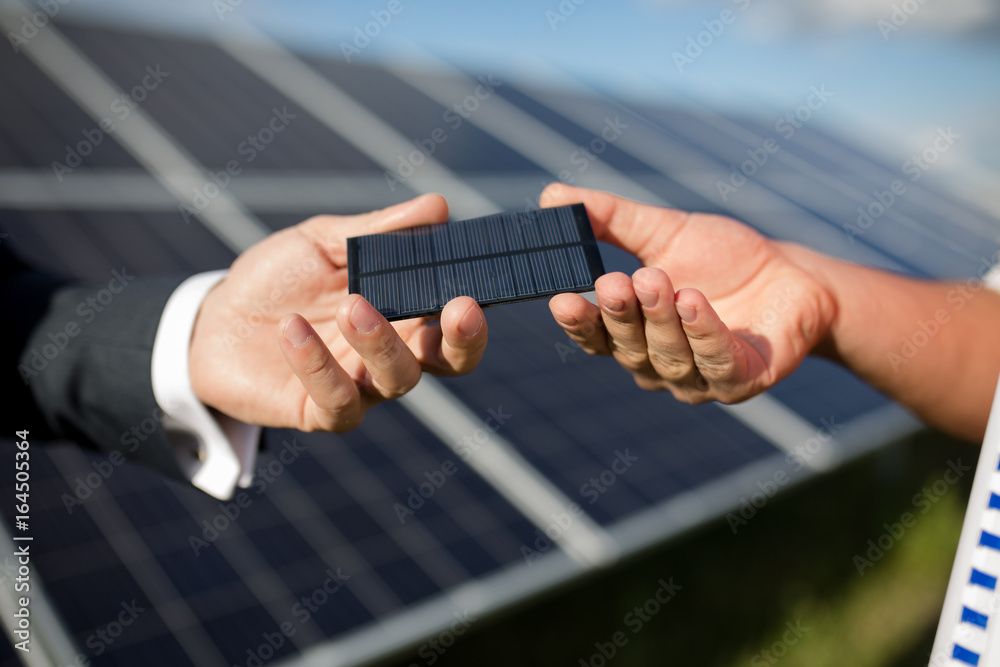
78	360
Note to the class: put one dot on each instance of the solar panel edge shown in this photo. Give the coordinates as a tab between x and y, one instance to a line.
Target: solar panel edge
353	279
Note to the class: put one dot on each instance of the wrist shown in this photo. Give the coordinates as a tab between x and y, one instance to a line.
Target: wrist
199	352
828	280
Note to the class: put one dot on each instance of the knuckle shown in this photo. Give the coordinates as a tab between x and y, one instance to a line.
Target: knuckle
717	366
631	359
583	339
681	395
316	370
403	385
670	367
592	346
588	328
387	351
463	366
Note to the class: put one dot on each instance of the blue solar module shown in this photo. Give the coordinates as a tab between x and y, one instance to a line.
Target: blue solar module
444	133
820	389
915	234
41	125
395	542
575	416
238	119
502	258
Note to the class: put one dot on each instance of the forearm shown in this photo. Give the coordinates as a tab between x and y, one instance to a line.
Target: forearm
932	346
86	364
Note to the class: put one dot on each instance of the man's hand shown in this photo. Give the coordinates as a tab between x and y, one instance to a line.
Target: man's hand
279	342
718	311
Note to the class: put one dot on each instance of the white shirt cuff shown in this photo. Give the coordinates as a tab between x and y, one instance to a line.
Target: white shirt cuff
992	279
226	449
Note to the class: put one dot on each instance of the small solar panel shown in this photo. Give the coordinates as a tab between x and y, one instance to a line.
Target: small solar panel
495	259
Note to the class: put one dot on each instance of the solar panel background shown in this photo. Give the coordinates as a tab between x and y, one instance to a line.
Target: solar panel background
334	508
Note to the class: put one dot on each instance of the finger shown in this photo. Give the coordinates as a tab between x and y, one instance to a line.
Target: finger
581	320
393	368
666	343
717	353
336	403
624	323
464	333
462	349
423	210
637	228
332	231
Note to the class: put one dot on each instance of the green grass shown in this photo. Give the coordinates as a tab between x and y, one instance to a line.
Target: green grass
792	563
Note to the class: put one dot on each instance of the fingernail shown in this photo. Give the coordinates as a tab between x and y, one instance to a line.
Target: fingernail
297	332
612	305
687	313
363	317
471	323
646	298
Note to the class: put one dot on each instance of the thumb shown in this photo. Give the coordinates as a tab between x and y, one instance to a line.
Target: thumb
423	210
637	228
332	231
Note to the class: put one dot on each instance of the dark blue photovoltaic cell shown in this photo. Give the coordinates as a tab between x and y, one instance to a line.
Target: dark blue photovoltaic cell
234	104
507	257
821	390
573	416
40	124
466	149
948	239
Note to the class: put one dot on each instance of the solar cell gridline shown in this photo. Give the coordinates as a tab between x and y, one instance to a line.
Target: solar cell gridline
151	518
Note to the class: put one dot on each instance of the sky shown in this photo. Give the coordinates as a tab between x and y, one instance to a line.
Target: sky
899	70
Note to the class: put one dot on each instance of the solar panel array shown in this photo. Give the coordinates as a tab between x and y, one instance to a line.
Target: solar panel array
351	546
503	258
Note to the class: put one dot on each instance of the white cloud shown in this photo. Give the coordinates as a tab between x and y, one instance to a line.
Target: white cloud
781	17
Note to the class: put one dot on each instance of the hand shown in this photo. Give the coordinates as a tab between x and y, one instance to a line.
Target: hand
280	342
746	314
